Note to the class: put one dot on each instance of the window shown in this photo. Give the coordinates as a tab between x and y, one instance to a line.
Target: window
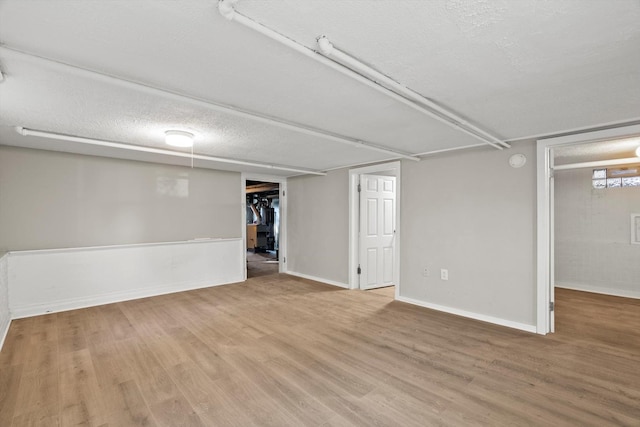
627	176
599	173
632	181
614	182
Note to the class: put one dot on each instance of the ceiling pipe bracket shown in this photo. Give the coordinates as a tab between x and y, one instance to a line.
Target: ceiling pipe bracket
225	7
325	46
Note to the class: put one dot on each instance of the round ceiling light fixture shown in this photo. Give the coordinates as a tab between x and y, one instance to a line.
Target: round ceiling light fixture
517	160
638	152
178	138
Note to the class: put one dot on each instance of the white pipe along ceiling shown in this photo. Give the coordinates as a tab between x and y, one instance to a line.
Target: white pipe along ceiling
599	163
72	138
356	70
424	105
293	87
222	107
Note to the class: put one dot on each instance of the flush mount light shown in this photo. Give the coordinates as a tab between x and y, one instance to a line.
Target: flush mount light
178	138
638	152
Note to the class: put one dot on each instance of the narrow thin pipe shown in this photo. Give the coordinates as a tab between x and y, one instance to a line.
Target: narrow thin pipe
566	132
442	113
72	138
446	150
598	163
226	10
296	127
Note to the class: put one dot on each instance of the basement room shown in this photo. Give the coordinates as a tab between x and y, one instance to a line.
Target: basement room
319	213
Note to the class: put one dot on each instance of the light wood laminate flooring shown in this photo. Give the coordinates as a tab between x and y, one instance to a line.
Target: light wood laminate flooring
283	351
261	264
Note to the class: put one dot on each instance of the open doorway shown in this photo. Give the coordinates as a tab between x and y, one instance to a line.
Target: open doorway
596	197
262	227
584	170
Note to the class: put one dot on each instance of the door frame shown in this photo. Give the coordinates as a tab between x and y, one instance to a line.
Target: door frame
545	212
382	242
282	188
354	220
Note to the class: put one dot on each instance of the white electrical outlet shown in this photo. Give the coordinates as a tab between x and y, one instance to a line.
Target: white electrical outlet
444	274
425	272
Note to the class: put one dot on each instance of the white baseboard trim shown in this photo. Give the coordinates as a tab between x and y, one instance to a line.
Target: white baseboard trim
469	314
92	301
318	279
597	290
4	333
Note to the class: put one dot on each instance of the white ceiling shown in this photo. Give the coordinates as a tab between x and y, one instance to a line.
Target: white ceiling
515	68
614	149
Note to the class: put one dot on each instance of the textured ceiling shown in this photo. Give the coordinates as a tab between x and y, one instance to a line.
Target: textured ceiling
595	151
515	68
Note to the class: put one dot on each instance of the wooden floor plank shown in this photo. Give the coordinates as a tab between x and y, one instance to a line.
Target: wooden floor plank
37	418
153	380
17	342
176	411
38	392
71	330
282	351
132	410
307	410
10	377
81	399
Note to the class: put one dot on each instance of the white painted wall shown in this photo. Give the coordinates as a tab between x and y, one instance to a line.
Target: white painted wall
5	314
592	236
471	213
56	280
57	200
318	227
118	215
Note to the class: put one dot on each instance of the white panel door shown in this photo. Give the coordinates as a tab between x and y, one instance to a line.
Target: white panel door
377	230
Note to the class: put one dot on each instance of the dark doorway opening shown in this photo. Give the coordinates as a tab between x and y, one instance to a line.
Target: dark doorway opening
263	228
